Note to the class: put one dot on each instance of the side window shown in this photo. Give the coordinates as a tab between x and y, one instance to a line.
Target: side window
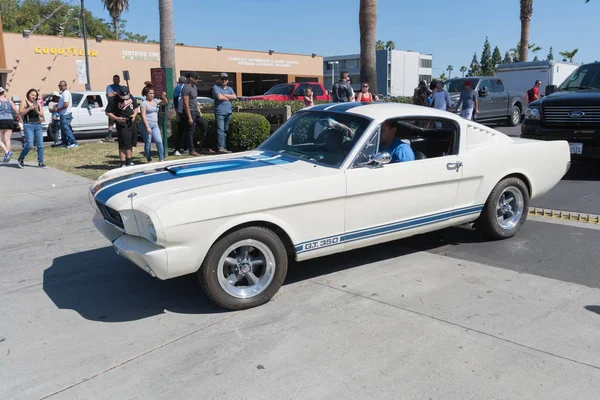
429	137
485	85
497	86
92	101
317	90
369	151
300	90
76	97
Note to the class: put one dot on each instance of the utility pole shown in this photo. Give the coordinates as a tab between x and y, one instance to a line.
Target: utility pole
88	86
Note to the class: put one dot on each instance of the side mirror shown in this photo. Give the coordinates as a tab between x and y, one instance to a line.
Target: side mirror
382	158
483	92
550	89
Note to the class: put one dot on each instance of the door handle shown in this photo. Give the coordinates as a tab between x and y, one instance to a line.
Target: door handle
454	165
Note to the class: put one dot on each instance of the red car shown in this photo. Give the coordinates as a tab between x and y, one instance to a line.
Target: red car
292	91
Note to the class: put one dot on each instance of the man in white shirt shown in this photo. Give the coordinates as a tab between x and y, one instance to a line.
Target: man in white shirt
64	109
441	98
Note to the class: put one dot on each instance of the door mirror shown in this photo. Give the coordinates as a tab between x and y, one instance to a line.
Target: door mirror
382	158
550	89
483	92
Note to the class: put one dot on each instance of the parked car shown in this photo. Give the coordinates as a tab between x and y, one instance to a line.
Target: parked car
495	102
320	185
292	91
569	112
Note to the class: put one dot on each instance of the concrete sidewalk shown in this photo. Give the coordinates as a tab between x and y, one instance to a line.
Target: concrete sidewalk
80	322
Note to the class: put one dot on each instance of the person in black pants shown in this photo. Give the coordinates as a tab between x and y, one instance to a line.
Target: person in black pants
191	115
123	109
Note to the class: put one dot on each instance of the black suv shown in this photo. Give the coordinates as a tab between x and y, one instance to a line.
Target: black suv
569	112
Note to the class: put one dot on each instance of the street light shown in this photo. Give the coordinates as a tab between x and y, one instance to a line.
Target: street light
332	69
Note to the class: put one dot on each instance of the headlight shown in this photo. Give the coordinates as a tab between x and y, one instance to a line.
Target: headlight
146	226
532	113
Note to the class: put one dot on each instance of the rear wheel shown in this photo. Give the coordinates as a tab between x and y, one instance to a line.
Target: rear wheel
505	210
515	116
244	269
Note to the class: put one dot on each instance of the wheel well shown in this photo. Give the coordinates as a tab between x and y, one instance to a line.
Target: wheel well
518	104
287	242
521	177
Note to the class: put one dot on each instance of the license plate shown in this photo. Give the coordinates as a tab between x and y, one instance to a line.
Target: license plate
576	148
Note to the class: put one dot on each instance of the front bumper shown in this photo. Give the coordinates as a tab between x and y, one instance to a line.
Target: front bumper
587	138
148	256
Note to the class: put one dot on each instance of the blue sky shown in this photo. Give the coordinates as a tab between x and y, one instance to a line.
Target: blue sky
450	30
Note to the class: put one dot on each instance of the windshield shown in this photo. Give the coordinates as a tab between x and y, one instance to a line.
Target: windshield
323	137
584	77
280	89
458	85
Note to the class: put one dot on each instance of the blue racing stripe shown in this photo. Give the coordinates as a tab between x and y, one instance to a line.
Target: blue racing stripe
182	171
384	229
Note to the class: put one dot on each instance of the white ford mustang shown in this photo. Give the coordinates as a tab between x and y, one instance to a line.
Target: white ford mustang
322	184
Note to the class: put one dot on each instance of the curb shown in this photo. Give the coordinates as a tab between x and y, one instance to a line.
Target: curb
584	218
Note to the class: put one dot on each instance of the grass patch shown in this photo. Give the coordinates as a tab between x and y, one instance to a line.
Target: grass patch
89	160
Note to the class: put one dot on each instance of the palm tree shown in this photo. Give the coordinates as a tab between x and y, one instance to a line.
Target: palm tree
515	52
115	9
450	69
167	36
390	45
463	69
526	13
380	45
367	24
569	54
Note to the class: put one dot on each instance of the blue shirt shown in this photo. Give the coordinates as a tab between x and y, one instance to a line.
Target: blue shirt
400	151
176	94
222	107
468	99
112	88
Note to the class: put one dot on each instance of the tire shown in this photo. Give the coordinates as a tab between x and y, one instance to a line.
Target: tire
490	223
258	244
515	116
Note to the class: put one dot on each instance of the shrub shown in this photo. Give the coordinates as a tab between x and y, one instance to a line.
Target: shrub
246	131
272	118
398	99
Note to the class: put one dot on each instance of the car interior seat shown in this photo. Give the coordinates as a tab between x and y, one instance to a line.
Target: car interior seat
334	138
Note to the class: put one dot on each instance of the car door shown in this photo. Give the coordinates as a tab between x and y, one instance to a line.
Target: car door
401	199
92	113
500	98
486	102
77	99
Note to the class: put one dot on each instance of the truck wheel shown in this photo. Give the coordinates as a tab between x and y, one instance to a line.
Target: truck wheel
515	116
505	210
244	269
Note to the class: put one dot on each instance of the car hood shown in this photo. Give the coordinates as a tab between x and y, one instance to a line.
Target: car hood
154	184
584	97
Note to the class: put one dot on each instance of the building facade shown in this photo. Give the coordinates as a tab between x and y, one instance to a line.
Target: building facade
398	71
40	62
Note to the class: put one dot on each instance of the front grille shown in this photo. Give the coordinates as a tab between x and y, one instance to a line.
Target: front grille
566	115
110	215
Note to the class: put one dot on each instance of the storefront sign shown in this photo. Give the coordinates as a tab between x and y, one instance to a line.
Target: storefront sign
65	51
140	55
263	62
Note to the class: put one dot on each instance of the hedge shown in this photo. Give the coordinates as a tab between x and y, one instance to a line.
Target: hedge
295	105
246	131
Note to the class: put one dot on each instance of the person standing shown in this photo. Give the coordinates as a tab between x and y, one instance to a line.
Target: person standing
364	96
123	110
111	90
150	129
468	100
441	97
178	105
64	109
7	121
308	97
342	91
420	94
191	113
32	113
223	95
534	93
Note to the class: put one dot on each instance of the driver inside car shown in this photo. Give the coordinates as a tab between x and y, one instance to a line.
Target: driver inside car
388	142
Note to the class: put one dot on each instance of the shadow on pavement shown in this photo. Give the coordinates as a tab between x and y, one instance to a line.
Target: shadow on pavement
594	309
101	286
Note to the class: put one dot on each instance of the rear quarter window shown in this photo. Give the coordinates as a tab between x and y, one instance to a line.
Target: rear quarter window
317	90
